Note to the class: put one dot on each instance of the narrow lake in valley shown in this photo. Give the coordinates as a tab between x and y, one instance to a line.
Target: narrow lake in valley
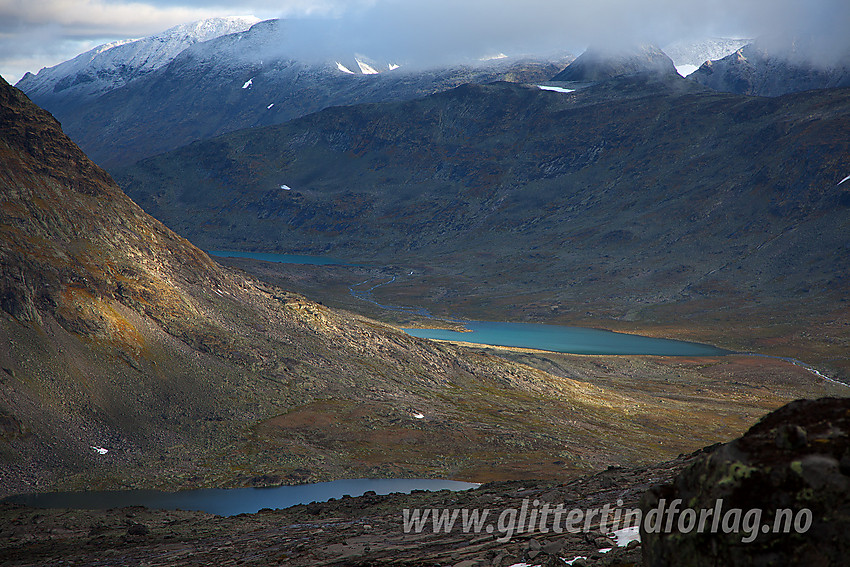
282	258
572	340
555	338
229	502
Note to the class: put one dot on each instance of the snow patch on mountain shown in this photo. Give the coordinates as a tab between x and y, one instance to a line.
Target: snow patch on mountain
343	68
693	53
686	69
365	68
555	89
112	65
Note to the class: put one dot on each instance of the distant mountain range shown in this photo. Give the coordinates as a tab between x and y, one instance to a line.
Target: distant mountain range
230	82
123	102
129	100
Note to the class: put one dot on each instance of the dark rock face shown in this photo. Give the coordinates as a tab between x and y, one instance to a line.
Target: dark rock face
597	64
793	466
752	70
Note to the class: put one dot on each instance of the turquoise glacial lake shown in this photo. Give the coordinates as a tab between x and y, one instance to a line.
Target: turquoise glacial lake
282	258
572	340
555	338
229	502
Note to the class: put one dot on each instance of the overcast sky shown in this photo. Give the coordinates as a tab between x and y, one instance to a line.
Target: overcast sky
38	33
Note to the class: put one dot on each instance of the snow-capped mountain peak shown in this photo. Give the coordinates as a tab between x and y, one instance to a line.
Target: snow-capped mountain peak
688	55
112	65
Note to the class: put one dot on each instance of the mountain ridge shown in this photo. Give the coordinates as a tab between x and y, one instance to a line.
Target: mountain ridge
763	69
110	66
598	63
242	80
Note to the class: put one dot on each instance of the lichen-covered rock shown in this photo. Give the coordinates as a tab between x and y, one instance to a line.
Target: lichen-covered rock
787	476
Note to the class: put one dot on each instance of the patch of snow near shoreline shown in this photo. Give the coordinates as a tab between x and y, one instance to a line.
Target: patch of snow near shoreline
555	89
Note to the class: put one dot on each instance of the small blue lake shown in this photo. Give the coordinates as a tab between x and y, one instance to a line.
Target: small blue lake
282	258
572	340
229	502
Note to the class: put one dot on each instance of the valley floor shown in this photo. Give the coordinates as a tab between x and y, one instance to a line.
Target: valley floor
813	330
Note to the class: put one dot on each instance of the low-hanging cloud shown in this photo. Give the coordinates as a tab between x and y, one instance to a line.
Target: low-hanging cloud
436	31
433	32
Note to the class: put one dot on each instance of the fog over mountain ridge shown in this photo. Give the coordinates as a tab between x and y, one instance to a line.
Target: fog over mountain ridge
439	31
435	32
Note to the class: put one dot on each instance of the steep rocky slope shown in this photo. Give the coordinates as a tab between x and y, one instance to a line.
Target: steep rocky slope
129	358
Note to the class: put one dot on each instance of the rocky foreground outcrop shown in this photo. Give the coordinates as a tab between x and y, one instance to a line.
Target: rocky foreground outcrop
793	466
795	458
